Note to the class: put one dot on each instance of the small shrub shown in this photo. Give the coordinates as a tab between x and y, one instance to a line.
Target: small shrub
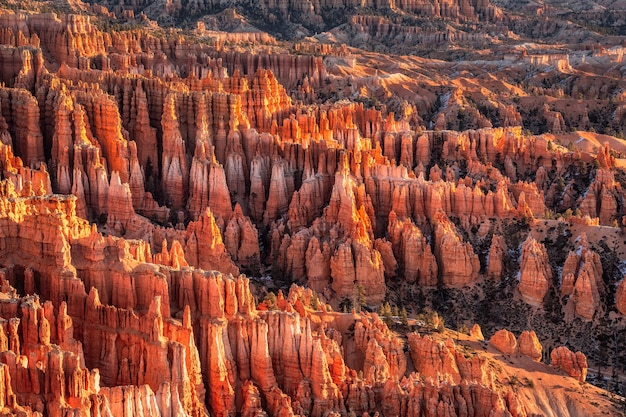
270	301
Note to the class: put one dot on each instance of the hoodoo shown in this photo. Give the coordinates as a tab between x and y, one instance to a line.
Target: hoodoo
283	208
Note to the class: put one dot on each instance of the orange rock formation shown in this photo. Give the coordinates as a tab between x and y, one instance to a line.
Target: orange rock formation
535	272
142	171
574	364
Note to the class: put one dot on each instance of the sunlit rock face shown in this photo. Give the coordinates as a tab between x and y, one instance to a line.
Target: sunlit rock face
201	222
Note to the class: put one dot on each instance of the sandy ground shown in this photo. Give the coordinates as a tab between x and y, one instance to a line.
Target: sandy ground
543	389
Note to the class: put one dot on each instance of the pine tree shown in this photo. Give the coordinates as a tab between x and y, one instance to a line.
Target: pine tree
404	317
359	297
315	302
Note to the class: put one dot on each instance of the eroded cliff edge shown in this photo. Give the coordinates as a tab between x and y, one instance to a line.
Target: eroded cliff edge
141	174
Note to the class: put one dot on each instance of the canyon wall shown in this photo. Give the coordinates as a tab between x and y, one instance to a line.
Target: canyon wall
140	176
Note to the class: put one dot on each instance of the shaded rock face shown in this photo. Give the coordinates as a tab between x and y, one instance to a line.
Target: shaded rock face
535	272
458	263
602	199
620	297
582	279
412	249
497	254
278	17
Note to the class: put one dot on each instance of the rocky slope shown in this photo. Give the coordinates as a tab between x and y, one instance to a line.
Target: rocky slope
162	190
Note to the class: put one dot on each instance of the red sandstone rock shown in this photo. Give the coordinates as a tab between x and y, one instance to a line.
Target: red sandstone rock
204	247
412	248
497	254
252	406
25	114
458	263
476	332
144	135
318	264
535	272
376	368
278	198
371	328
219	197
582	278
586	295
242	240
434	359
175	171
505	342
529	345
574	364
168	337
120	205
600	200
